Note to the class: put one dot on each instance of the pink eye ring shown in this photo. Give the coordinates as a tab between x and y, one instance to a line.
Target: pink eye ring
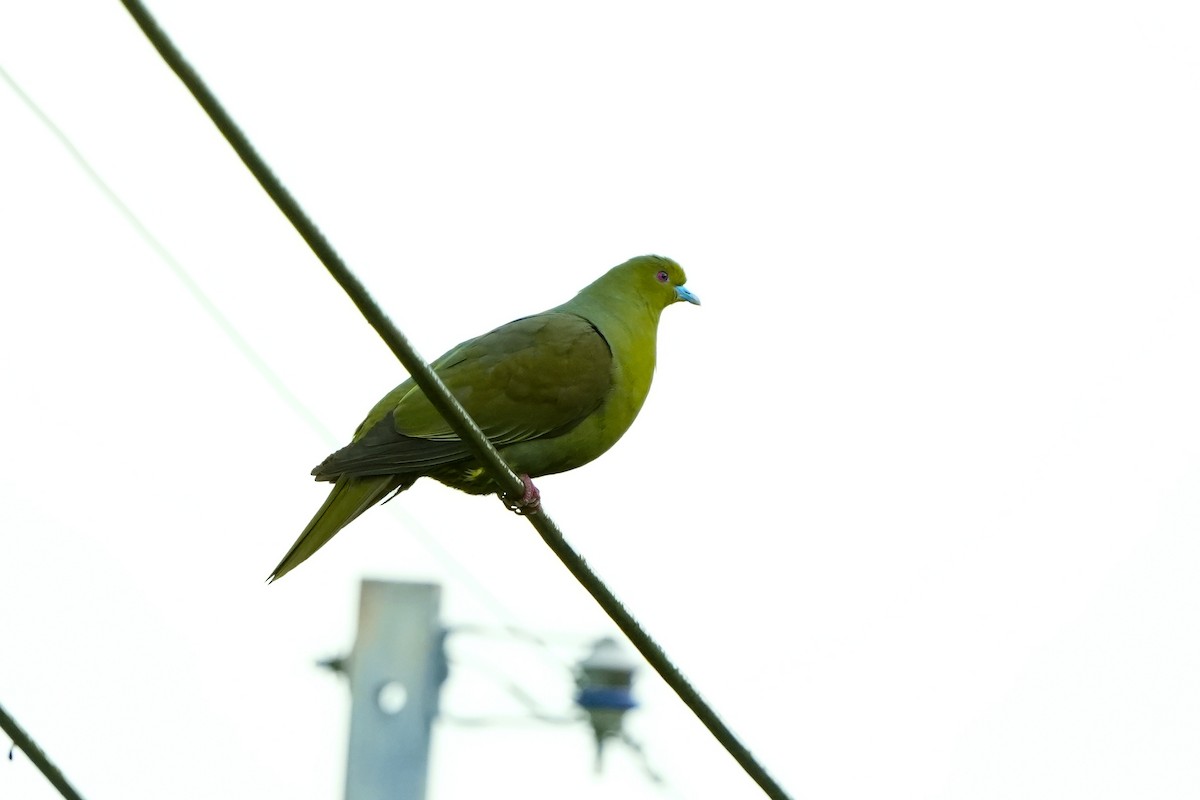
662	276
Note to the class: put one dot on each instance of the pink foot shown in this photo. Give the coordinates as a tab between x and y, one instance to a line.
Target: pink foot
528	503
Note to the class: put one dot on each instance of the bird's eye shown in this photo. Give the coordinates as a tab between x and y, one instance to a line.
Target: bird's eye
662	276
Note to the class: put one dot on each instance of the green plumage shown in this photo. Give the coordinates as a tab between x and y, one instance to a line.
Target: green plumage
551	391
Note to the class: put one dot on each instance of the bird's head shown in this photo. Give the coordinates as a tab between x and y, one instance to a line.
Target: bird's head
658	279
646	282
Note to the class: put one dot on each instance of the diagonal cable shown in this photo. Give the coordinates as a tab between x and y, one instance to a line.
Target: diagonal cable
29	747
445	402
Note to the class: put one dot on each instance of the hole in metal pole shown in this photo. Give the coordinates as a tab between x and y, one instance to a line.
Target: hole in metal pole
392	697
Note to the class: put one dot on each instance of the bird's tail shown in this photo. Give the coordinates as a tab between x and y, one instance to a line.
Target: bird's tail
349	498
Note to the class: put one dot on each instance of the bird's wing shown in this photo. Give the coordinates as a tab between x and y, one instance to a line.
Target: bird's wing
536	377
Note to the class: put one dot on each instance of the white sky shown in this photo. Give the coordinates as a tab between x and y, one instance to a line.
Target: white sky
914	500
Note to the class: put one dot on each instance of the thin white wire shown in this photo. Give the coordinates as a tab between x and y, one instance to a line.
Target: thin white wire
454	568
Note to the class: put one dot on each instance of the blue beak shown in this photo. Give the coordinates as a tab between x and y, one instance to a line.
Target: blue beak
684	294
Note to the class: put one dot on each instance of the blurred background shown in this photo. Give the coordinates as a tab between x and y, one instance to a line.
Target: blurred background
914	499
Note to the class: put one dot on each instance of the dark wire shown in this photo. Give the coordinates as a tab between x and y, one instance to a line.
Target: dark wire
446	403
28	746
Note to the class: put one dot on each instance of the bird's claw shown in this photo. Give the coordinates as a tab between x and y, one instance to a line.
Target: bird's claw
528	503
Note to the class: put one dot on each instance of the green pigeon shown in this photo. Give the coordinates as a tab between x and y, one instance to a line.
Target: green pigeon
552	392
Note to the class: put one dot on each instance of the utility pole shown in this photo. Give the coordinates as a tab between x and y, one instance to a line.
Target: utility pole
396	670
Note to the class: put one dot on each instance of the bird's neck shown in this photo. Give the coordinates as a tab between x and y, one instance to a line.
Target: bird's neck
630	326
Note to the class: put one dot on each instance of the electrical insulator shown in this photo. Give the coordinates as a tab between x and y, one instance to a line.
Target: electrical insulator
605	681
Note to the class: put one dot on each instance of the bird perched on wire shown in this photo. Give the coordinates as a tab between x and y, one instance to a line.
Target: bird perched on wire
551	391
